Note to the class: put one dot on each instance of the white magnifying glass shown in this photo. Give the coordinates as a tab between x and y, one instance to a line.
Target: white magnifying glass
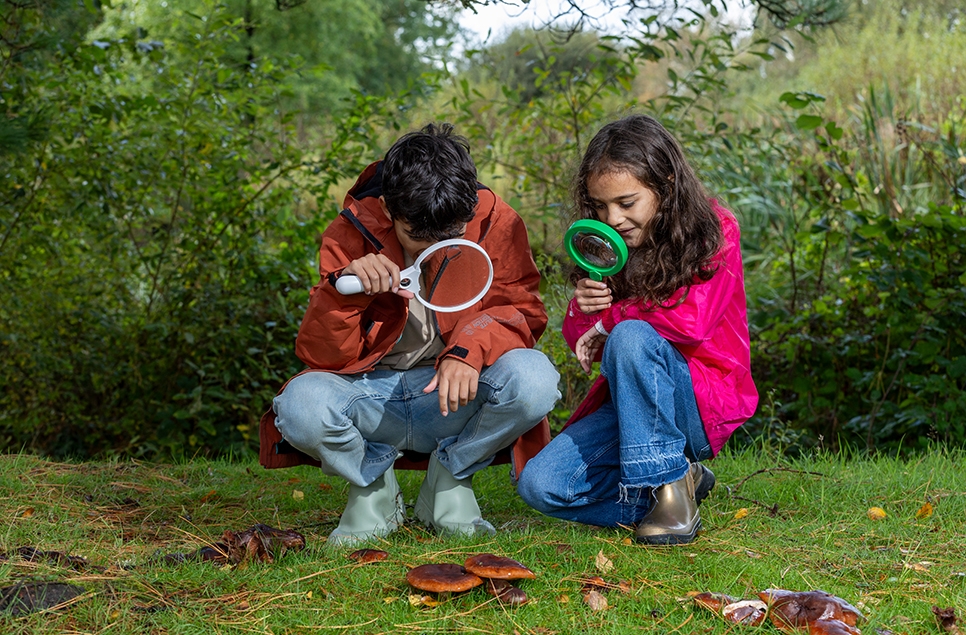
449	276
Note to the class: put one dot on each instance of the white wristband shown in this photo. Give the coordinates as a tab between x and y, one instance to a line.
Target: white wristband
600	328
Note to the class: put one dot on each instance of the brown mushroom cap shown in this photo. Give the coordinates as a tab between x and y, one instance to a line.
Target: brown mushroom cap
505	592
487	565
442	578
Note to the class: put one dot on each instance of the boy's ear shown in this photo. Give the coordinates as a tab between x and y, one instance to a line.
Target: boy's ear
385	210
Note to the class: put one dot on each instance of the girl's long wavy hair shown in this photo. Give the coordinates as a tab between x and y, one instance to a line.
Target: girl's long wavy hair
683	236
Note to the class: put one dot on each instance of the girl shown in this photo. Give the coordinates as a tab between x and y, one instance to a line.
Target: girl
671	334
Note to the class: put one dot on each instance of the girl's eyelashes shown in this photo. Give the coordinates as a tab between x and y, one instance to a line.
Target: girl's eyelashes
627	204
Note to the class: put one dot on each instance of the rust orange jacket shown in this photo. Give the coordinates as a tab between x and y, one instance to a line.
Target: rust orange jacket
349	334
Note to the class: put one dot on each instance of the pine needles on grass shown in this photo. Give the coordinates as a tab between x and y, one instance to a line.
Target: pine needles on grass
802	524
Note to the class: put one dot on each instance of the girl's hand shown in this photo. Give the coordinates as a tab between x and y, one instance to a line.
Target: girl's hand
587	347
592	296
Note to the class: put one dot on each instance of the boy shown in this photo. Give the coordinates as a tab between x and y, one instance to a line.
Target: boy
386	374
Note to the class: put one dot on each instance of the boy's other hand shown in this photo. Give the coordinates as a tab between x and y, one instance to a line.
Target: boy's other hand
378	274
457	382
592	295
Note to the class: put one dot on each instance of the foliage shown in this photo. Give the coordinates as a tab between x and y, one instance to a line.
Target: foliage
154	250
771	522
859	337
339	47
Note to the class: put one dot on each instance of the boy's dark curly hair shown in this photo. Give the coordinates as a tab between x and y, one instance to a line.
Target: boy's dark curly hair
685	233
429	182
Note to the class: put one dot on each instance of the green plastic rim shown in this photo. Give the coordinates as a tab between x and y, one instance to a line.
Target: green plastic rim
605	233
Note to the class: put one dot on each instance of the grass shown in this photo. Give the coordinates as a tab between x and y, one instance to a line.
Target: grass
770	523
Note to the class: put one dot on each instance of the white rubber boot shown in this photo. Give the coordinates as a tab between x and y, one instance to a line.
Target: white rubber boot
371	512
449	505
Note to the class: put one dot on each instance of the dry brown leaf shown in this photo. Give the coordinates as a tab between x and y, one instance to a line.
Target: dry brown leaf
595	600
603	563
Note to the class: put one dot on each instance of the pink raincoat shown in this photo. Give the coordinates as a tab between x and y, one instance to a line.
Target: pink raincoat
710	329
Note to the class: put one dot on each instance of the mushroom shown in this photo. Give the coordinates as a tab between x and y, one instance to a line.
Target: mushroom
748	612
797	609
487	565
714	602
831	627
506	592
442	578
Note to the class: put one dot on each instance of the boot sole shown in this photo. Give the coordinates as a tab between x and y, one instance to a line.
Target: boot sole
671	539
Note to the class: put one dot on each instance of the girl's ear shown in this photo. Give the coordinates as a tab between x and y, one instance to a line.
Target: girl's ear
385	210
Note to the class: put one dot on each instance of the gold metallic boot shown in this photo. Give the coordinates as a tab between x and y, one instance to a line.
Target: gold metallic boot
674	517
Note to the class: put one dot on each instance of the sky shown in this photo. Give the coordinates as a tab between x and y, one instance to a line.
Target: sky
500	17
497	18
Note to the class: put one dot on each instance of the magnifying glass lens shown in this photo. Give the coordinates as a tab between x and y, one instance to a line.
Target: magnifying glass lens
595	250
454	276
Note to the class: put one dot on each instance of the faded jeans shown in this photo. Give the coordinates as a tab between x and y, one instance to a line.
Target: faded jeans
356	425
600	470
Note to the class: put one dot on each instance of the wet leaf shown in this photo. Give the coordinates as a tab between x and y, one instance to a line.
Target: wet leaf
364	556
876	513
603	563
925	511
28	597
947	620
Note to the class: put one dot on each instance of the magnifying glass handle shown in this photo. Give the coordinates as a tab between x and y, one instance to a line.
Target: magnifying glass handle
349	284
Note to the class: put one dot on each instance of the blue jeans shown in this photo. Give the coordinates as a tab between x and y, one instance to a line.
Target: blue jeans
600	469
356	425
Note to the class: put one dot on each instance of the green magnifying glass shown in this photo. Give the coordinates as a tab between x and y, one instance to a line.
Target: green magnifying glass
596	247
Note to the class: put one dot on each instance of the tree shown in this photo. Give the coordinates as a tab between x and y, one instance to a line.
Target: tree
376	46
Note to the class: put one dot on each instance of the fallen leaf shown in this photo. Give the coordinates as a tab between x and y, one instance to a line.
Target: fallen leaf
208	496
389	599
423	600
741	513
876	513
603	563
946	618
627	542
925	511
918	566
563	599
595	601
27	513
298	494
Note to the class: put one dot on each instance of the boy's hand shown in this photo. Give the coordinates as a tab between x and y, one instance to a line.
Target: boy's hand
378	274
592	295
457	383
587	347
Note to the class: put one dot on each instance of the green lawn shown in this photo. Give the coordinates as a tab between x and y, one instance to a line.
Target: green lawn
770	523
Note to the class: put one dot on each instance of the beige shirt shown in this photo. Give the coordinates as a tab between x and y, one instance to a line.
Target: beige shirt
419	344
